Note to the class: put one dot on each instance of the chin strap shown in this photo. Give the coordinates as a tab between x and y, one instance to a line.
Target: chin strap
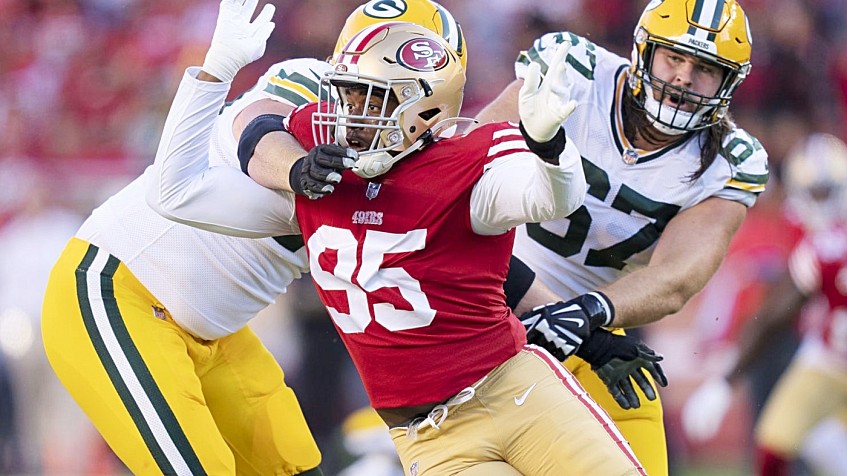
369	165
372	165
441	125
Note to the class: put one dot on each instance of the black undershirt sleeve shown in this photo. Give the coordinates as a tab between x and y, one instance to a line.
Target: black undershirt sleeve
253	133
518	281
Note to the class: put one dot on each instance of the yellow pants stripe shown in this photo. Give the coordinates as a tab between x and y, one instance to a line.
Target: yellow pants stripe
127	371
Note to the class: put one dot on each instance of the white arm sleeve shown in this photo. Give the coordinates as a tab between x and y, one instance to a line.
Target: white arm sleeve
520	188
220	199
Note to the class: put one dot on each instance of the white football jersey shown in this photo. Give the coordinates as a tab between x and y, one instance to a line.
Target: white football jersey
212	284
632	193
294	82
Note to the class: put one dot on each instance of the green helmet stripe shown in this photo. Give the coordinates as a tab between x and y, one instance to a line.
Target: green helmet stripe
707	12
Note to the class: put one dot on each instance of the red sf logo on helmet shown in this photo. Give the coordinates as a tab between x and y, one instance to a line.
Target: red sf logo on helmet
422	54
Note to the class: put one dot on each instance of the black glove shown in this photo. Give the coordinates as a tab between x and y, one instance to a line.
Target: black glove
616	359
314	174
563	326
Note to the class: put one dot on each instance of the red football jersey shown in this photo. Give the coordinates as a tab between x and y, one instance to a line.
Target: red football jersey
819	266
415	294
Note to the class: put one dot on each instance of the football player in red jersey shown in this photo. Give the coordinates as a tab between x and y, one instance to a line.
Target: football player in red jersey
147	321
267	154
814	387
411	249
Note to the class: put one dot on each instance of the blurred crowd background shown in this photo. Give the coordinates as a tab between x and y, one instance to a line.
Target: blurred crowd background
84	89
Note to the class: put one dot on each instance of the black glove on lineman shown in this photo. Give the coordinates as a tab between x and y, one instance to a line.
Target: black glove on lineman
563	326
616	359
314	174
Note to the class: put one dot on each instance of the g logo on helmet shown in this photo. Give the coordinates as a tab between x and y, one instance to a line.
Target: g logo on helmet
422	54
385	9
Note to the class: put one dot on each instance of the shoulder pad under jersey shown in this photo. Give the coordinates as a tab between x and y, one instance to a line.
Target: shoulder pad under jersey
295	81
581	58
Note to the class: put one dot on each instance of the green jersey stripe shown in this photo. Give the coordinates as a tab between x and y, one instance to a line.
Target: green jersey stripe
756	179
287	94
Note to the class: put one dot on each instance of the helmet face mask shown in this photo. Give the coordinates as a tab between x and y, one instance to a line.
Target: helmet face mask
365	118
422	76
719	37
675	109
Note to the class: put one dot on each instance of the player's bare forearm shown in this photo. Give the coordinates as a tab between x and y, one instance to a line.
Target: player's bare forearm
275	152
273	158
503	108
779	310
686	256
538	294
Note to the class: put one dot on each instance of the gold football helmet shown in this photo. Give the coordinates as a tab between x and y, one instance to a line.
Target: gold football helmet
425	13
398	60
815	177
714	31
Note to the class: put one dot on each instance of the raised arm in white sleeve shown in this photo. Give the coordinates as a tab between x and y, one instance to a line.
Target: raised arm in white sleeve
220	199
516	189
520	188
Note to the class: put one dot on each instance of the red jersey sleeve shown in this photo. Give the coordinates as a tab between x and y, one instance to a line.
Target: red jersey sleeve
299	124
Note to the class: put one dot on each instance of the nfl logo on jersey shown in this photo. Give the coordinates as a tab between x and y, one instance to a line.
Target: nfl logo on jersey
373	190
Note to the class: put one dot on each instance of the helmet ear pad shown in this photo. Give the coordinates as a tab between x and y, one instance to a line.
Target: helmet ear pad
444	101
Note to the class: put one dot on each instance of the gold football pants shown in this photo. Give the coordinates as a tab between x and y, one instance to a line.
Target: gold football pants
167	402
528	416
804	397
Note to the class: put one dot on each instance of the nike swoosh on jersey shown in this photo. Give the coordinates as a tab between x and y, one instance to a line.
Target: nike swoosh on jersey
520	400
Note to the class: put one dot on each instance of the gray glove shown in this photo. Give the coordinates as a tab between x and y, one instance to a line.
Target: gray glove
315	174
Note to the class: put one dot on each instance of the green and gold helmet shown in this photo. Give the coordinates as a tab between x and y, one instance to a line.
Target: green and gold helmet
425	13
715	31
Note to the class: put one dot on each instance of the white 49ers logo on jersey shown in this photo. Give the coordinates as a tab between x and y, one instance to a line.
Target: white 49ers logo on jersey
367	218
